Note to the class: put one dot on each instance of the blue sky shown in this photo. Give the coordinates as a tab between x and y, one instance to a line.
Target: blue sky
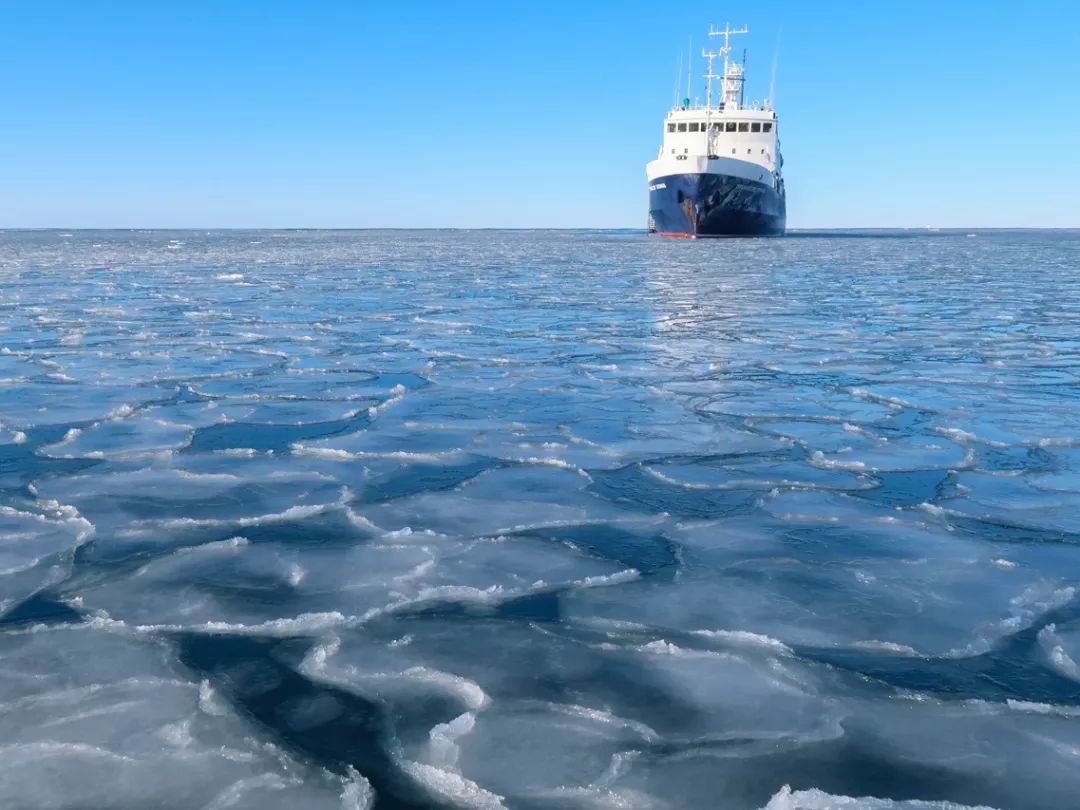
347	113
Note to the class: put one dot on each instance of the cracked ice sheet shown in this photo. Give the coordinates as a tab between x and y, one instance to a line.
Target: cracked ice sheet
1016	500
579	735
236	585
124	438
37	540
166	506
61	403
858	581
91	718
552	492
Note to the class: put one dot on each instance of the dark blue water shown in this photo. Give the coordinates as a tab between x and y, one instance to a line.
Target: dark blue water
539	520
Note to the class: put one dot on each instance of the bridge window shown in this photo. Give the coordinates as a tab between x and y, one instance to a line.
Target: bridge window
744	126
767	126
755	127
730	126
682	127
670	127
693	126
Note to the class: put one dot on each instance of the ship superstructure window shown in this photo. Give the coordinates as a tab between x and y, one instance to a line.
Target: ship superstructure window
693	126
767	126
670	127
755	127
744	126
730	126
682	127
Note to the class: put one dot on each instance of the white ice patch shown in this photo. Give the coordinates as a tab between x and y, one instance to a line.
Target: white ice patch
443	751
291	514
747	639
452	786
296	574
819	459
1024	610
1058	653
469	692
230	544
336	454
304	624
208	701
1043	708
397	393
357	793
887	647
814	799
328	453
120	412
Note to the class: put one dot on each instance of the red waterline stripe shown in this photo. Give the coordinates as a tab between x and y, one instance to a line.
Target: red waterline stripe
676	235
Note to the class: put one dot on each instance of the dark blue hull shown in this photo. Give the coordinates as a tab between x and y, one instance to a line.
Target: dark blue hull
715	205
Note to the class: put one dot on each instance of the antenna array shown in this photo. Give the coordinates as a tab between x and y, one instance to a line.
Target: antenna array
730	92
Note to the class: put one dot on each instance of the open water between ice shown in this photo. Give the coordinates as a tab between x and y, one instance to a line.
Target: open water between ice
539	520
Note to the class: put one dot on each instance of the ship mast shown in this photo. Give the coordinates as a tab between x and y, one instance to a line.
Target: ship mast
733	73
709	76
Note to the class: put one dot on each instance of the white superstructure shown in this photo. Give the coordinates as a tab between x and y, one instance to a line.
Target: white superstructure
723	137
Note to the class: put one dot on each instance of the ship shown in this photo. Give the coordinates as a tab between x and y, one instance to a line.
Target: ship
719	170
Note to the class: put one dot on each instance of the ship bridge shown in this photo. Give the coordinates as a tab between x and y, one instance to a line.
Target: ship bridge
750	135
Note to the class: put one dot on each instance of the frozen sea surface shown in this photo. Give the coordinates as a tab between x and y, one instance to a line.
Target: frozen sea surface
539	520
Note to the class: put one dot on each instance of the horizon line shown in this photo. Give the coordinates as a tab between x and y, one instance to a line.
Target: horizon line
638	229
